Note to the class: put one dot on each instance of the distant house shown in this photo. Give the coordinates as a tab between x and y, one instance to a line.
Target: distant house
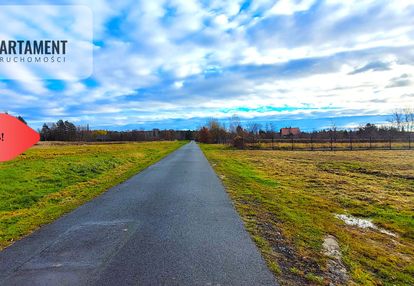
288	132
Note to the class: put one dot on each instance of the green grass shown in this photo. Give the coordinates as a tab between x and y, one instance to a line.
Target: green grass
48	180
288	201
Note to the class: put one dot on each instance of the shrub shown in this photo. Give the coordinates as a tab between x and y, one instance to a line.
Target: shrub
238	142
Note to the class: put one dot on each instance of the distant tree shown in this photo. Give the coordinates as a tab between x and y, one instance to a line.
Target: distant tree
216	130
238	142
234	123
203	135
271	131
409	119
397	119
45	133
60	131
99	135
333	131
403	119
253	129
367	131
21	119
71	134
239	130
188	135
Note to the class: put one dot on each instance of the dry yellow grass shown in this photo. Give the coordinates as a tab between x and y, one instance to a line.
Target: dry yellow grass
356	145
289	200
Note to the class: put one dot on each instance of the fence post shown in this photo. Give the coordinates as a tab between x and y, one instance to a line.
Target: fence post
350	140
312	141
409	142
273	141
370	142
331	144
292	143
390	143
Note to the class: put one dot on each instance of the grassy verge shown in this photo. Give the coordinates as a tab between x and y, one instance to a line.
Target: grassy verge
49	181
289	202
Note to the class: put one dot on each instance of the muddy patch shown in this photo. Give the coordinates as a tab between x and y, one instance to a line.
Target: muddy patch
336	270
363	223
287	258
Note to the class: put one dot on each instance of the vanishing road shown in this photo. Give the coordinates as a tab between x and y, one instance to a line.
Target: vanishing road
172	224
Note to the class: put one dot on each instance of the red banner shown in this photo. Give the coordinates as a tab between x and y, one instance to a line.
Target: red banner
15	137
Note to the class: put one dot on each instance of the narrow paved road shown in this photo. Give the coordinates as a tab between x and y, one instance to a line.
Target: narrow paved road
172	224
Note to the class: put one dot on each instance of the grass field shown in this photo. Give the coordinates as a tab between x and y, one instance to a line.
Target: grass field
291	202
49	180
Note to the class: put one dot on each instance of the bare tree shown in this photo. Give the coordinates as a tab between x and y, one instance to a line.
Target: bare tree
217	131
332	132
253	130
234	122
397	119
408	119
253	127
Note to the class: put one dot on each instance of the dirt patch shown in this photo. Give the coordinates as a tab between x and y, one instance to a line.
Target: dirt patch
287	258
336	270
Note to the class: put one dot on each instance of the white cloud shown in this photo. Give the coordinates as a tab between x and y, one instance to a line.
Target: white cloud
178	84
266	55
289	7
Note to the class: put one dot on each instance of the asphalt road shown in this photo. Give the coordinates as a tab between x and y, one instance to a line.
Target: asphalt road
172	224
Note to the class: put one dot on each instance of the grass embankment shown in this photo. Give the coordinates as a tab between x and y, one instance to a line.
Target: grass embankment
48	181
288	201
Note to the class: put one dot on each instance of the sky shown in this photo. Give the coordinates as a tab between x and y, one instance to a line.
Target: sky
177	63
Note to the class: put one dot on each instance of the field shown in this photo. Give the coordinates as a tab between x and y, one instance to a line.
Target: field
50	180
345	217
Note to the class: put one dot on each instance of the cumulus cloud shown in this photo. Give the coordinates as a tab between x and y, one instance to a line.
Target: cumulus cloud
167	60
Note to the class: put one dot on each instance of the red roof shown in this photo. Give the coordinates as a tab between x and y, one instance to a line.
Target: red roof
289	131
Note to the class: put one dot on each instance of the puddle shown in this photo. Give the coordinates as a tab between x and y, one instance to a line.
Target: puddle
362	223
354	221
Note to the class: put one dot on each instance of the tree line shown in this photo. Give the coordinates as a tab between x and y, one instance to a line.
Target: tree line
68	131
400	127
